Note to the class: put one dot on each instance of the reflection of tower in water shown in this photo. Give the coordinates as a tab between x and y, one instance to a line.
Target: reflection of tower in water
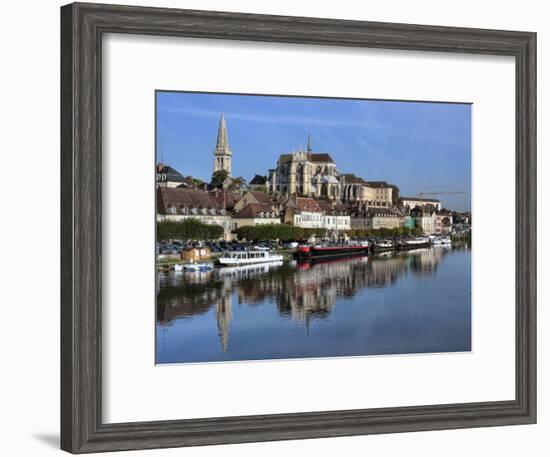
314	291
303	292
223	317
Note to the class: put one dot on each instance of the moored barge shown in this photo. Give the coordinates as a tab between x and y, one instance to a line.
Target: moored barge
319	251
413	243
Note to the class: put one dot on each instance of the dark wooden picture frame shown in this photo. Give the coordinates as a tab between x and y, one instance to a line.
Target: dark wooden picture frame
82	29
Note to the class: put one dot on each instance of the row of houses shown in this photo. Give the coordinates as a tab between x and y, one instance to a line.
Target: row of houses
234	209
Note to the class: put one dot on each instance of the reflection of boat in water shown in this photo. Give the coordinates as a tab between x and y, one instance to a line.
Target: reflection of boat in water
317	251
385	253
195	267
306	263
246	271
249	257
413	243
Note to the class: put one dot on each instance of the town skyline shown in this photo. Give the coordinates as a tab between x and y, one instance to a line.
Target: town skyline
431	142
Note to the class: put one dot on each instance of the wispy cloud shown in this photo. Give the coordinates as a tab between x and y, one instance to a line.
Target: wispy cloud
273	119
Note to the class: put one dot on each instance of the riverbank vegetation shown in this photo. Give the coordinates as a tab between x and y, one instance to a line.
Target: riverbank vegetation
193	229
384	232
277	232
189	229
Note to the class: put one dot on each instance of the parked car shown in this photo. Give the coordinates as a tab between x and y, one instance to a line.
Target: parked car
215	247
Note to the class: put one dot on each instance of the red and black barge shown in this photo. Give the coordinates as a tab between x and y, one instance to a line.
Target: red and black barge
316	252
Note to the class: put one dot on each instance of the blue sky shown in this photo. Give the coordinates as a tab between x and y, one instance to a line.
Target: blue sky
420	147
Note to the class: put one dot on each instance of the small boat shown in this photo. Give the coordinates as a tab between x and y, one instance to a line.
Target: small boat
316	251
441	241
248	257
383	245
413	243
178	267
198	267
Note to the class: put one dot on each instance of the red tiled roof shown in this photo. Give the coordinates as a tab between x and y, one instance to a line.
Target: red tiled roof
333	208
230	198
307	204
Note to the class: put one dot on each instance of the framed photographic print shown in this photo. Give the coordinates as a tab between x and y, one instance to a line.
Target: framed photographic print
280	227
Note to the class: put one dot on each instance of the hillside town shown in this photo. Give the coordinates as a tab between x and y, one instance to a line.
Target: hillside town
304	189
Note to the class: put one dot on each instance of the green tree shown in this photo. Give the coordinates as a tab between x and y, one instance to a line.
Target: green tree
239	182
317	232
218	177
403	231
269	232
189	229
167	230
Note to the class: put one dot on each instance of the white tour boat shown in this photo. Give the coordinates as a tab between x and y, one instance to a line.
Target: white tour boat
248	257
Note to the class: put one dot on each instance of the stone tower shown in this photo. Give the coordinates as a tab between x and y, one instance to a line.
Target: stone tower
222	153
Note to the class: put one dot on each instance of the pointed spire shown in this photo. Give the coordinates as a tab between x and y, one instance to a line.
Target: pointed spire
309	142
222	141
222	153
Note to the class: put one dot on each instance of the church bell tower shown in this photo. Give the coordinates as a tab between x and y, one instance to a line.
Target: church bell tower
222	153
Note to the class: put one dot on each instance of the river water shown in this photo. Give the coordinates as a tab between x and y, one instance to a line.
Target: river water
404	302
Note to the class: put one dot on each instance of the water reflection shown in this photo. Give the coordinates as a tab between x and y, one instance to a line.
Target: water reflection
301	294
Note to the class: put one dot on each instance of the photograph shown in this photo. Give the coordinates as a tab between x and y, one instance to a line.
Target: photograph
296	227
297	206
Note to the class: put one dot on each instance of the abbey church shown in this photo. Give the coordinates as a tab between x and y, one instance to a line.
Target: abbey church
306	173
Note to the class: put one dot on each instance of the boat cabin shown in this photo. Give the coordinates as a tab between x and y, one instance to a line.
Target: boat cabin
245	255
